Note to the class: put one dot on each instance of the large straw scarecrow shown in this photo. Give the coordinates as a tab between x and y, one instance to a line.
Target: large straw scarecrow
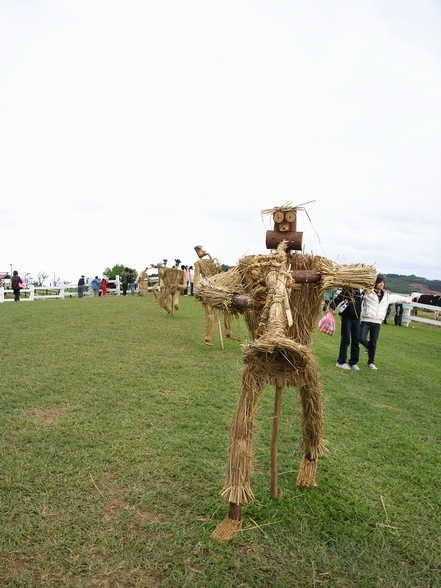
280	296
206	267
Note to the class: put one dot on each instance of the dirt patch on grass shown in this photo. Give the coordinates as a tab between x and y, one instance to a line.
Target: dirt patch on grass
46	417
112	506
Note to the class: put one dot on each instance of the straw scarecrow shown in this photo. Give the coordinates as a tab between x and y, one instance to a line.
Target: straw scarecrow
161	266
206	267
171	282
280	296
142	280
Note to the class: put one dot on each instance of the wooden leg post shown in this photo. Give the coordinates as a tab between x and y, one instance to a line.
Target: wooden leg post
274	441
220	330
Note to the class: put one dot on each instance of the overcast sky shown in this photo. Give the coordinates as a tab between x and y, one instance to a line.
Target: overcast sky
131	131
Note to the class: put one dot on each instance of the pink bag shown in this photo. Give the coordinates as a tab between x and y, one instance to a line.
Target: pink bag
327	324
21	284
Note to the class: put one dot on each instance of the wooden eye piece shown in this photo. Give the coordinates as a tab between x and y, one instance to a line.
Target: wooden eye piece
290	216
278	217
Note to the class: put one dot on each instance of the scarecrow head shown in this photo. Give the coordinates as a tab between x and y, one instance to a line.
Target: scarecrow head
285	219
200	252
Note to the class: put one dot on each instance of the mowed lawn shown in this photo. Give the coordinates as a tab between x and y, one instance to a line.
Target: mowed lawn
114	444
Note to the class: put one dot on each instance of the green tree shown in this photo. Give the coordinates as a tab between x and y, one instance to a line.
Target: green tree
117	270
114	271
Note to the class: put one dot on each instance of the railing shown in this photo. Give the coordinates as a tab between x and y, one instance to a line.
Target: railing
67	290
408	317
33	292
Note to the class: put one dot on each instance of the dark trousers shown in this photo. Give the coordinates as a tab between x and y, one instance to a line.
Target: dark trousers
350	334
373	330
17	295
124	285
398	318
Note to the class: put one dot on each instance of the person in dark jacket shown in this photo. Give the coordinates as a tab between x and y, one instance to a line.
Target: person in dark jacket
125	280
398	318
81	284
15	285
348	303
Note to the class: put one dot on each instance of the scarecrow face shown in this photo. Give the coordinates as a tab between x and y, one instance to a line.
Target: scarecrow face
200	252
284	221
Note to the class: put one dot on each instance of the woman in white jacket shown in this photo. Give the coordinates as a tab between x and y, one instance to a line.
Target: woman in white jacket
373	313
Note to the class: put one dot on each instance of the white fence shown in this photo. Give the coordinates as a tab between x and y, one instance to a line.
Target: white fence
407	317
32	294
67	290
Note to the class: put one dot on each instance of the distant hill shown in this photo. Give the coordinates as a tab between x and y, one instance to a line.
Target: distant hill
407	284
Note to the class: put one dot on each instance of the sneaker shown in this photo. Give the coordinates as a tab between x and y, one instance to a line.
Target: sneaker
355	367
343	366
372	366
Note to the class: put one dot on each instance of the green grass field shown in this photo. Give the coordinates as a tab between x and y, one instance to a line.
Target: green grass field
114	443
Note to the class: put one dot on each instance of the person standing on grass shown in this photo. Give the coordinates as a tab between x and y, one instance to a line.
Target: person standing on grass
16	284
104	286
398	318
350	300
184	268
95	283
131	281
187	279
81	284
125	280
373	313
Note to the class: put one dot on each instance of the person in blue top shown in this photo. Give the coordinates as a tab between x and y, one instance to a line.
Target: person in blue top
95	283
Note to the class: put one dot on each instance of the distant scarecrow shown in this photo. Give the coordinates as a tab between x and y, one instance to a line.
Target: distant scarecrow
143	281
280	295
171	283
206	267
161	266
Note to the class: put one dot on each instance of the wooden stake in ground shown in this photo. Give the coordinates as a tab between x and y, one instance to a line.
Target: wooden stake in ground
274	441
220	331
